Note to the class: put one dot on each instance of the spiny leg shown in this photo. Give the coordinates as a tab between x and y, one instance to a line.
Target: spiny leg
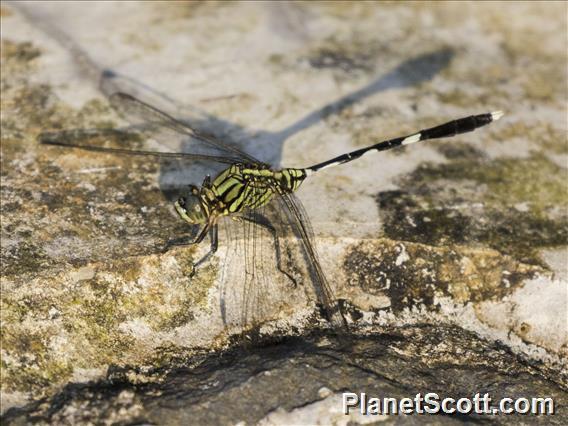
188	241
263	221
185	241
214	237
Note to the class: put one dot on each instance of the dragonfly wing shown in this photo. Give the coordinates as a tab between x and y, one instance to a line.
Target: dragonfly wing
298	222
113	140
252	288
165	128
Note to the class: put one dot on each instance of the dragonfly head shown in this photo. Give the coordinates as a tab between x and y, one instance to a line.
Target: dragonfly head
191	209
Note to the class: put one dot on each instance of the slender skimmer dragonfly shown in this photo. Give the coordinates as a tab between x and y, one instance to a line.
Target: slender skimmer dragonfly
246	185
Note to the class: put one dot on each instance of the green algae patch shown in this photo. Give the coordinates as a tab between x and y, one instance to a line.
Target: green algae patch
28	363
37	376
95	316
412	274
513	205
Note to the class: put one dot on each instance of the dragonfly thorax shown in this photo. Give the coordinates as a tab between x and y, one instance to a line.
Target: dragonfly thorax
239	187
242	186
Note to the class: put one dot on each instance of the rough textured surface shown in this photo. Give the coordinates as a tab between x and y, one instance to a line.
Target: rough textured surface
465	237
301	380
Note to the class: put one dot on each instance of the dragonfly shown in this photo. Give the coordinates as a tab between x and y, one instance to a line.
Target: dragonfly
246	185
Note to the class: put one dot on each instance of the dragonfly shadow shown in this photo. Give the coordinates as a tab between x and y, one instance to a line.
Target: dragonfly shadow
409	73
265	145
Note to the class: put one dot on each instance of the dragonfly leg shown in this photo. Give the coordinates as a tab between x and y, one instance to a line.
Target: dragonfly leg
214	236
189	241
185	241
263	221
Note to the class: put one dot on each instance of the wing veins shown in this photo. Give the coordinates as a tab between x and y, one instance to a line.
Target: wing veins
131	107
51	138
323	290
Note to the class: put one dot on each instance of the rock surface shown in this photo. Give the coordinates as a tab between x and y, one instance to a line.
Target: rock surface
300	381
462	241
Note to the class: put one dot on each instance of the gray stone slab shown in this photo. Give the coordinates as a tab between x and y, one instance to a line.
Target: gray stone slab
466	234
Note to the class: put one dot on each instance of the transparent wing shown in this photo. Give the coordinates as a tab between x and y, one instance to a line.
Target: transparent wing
113	141
253	289
164	128
297	222
278	252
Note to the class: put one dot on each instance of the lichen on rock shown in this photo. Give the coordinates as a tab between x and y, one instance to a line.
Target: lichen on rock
450	255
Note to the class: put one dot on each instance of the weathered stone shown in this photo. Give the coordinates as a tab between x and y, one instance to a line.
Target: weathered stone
463	240
300	381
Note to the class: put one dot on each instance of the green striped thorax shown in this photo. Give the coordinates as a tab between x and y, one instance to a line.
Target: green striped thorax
238	187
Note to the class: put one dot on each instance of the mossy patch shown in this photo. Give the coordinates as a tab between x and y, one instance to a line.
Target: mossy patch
23	256
27	363
513	205
96	316
412	274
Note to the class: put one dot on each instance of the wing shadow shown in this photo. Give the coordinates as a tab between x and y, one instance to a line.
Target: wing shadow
267	145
